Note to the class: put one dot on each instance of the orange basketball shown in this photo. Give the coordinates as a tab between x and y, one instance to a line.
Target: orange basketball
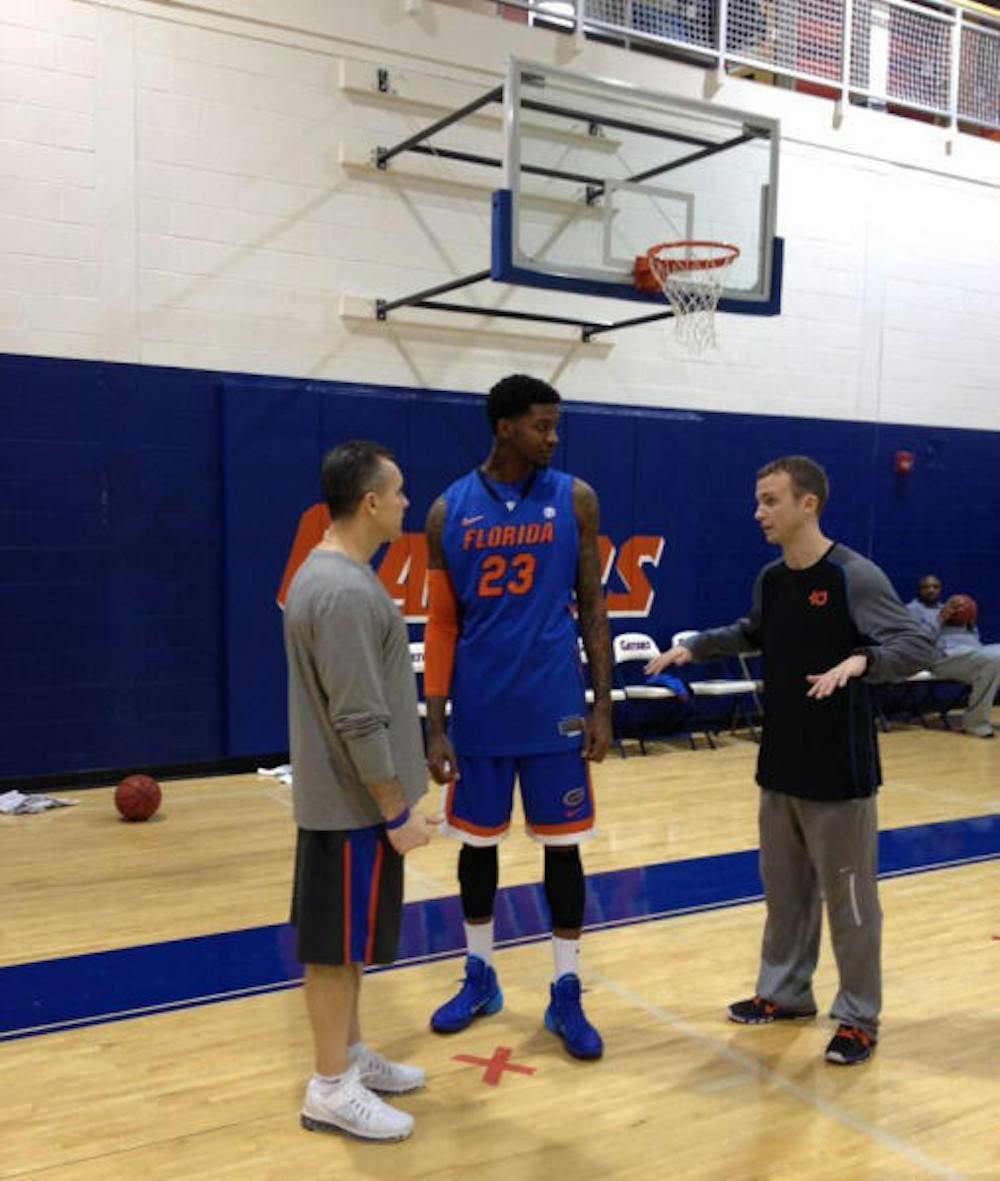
959	611
137	797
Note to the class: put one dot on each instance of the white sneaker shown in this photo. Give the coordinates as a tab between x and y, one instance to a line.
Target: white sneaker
378	1073
348	1106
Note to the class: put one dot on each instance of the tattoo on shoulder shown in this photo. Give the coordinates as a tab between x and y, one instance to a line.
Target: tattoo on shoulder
433	528
585	503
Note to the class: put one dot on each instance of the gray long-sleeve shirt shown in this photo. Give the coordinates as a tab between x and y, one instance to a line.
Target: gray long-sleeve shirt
805	622
352	697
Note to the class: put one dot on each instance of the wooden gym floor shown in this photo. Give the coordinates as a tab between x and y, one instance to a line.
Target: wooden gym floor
205	1083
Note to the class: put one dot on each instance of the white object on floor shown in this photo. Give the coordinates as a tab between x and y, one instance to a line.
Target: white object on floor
283	772
16	803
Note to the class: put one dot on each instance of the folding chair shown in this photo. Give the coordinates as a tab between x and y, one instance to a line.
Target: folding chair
916	696
632	652
743	692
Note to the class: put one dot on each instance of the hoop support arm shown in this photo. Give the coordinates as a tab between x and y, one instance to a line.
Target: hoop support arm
596	329
384	155
383	306
493	162
510	314
588	328
534	104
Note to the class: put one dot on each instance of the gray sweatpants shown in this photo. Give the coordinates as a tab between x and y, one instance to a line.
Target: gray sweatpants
979	668
811	850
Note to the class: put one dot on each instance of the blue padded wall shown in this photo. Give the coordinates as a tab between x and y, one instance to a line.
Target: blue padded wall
147	514
111	576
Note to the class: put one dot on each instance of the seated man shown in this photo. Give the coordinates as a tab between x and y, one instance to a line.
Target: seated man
961	654
926	606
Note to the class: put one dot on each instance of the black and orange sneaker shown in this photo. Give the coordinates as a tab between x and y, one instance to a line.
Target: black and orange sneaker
850	1046
757	1011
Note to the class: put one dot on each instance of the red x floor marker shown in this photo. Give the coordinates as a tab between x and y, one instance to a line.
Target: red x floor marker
496	1065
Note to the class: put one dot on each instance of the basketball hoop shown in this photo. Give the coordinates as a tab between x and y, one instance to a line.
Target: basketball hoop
690	275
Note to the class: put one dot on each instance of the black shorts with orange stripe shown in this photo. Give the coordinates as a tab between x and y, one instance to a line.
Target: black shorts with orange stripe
347	897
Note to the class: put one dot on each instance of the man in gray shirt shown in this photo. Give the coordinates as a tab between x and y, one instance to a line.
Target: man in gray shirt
960	654
358	767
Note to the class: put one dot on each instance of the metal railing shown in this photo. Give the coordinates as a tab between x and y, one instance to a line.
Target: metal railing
929	58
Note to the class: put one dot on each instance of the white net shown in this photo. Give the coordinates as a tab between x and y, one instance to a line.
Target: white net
691	275
798	36
901	54
979	75
687	22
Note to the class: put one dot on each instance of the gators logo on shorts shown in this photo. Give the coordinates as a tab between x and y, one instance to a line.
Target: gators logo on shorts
574	797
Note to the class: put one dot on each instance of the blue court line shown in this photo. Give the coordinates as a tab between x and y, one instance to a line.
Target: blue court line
51	995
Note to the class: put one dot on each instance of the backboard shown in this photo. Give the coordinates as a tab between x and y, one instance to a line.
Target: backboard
597	171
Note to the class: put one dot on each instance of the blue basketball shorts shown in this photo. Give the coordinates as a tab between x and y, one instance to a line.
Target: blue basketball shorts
555	790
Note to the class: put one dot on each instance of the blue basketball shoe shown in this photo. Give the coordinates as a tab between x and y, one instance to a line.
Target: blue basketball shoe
479	996
565	1018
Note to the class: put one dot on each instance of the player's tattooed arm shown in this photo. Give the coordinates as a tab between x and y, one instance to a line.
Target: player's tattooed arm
434	529
593	620
437	637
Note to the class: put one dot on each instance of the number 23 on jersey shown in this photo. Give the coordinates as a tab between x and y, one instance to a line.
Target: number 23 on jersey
499	575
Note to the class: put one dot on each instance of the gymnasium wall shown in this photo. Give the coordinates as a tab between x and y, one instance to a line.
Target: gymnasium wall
187	233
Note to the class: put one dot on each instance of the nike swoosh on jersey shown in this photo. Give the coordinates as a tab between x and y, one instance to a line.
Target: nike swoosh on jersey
471	520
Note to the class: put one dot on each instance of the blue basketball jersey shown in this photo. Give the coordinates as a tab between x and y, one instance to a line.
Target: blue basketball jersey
517	685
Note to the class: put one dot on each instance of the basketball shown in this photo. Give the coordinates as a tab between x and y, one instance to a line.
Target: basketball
137	797
959	611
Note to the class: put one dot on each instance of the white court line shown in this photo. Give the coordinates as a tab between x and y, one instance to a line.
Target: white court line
725	1084
755	1068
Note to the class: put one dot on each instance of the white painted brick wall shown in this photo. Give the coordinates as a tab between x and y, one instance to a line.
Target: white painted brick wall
172	192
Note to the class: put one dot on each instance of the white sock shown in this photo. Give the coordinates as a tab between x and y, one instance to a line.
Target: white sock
353	1050
479	940
566	953
327	1082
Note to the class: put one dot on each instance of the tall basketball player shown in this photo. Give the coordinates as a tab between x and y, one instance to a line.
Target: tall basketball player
513	560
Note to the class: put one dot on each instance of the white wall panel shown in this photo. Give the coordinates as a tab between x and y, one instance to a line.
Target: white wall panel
172	191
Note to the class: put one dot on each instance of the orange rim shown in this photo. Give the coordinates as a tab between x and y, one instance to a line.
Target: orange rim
727	254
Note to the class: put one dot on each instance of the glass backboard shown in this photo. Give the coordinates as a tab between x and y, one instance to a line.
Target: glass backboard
598	171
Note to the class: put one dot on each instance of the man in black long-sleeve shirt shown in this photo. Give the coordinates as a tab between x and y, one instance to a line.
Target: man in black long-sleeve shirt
820	607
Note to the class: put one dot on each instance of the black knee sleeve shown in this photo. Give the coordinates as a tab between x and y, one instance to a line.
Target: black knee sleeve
564	886
477	879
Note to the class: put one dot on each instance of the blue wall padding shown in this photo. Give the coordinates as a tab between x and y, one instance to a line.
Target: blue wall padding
146	516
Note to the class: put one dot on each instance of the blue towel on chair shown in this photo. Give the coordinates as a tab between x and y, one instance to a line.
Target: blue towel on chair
674	684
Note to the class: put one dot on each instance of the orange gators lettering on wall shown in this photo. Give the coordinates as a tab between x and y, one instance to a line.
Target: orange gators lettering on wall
636	599
402	569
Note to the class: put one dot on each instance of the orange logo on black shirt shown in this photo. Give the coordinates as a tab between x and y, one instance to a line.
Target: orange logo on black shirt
818	598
